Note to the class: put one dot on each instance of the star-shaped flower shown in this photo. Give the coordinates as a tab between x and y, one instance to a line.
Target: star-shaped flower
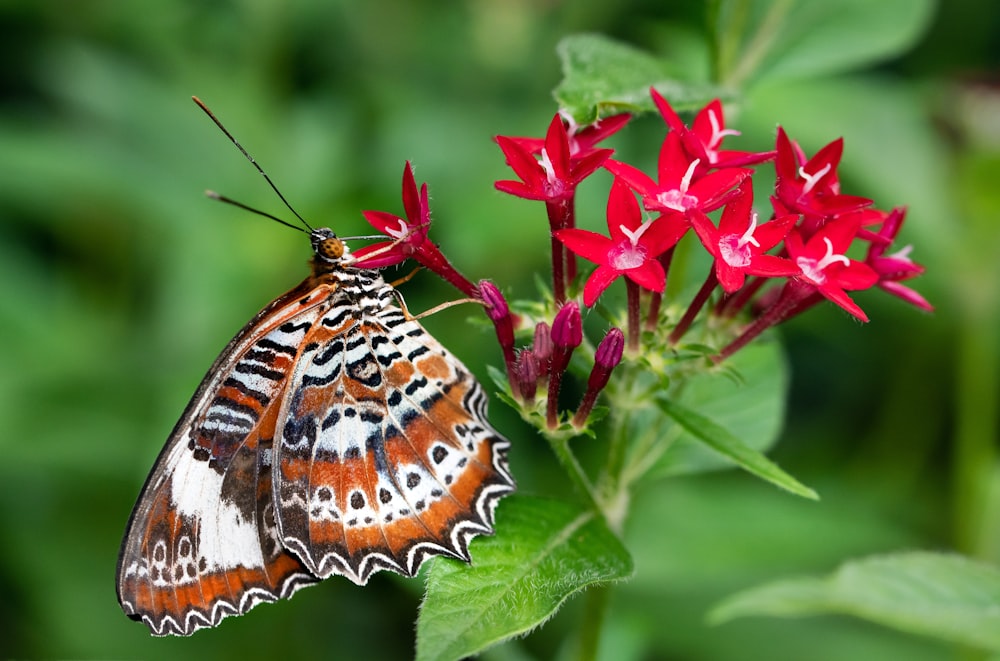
632	248
407	235
582	139
555	174
892	269
826	268
739	244
703	140
811	186
409	238
678	189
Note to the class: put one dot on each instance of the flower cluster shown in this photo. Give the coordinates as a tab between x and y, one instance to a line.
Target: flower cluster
814	243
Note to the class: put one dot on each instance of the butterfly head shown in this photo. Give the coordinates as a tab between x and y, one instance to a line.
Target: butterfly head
327	247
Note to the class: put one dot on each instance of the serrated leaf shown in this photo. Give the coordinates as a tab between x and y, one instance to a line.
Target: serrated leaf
944	596
545	550
752	401
727	444
767	39
602	76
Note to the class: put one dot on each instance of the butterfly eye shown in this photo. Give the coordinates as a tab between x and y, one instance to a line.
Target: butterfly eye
332	248
328	247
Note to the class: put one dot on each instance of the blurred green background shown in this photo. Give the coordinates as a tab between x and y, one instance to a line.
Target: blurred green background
120	283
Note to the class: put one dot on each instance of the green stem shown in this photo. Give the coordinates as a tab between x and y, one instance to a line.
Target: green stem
560	446
594	609
975	456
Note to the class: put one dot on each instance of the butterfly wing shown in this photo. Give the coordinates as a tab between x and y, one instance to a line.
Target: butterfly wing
384	455
202	542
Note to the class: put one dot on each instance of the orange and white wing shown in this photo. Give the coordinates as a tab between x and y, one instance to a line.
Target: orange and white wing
202	542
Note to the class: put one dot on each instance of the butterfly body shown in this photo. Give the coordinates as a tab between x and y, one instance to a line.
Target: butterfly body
333	435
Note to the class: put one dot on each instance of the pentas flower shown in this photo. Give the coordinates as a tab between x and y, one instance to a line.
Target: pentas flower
892	269
553	176
811	186
739	244
632	248
409	238
678	189
582	139
703	140
826	268
408	235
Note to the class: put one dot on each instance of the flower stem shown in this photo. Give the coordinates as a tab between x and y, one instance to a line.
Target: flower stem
653	314
791	298
730	306
560	214
697	303
632	290
595	608
558	277
560	447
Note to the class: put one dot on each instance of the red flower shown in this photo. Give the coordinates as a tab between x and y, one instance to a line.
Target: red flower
892	269
553	176
811	187
704	139
409	238
582	140
739	244
678	190
632	249
826	268
408	235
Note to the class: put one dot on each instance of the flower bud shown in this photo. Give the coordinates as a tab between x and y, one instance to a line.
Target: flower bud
567	327
527	375
606	358
499	313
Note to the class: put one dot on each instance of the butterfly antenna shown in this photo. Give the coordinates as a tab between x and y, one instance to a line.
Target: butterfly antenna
228	200
250	158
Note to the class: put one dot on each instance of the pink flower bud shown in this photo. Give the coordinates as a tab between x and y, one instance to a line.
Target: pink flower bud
567	327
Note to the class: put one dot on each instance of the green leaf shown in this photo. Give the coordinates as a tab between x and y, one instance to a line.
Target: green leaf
544	551
753	403
603	77
725	443
805	38
944	596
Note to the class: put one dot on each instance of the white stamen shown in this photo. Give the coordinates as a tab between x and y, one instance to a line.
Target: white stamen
814	270
403	230
748	235
572	128
811	179
717	133
633	237
686	181
678	199
546	163
734	249
903	254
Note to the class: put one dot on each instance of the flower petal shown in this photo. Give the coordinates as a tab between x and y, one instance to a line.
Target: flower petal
384	221
591	246
411	201
771	266
557	148
648	276
623	209
730	278
706	231
641	182
597	283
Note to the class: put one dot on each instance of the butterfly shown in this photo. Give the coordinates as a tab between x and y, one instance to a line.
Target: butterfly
332	436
